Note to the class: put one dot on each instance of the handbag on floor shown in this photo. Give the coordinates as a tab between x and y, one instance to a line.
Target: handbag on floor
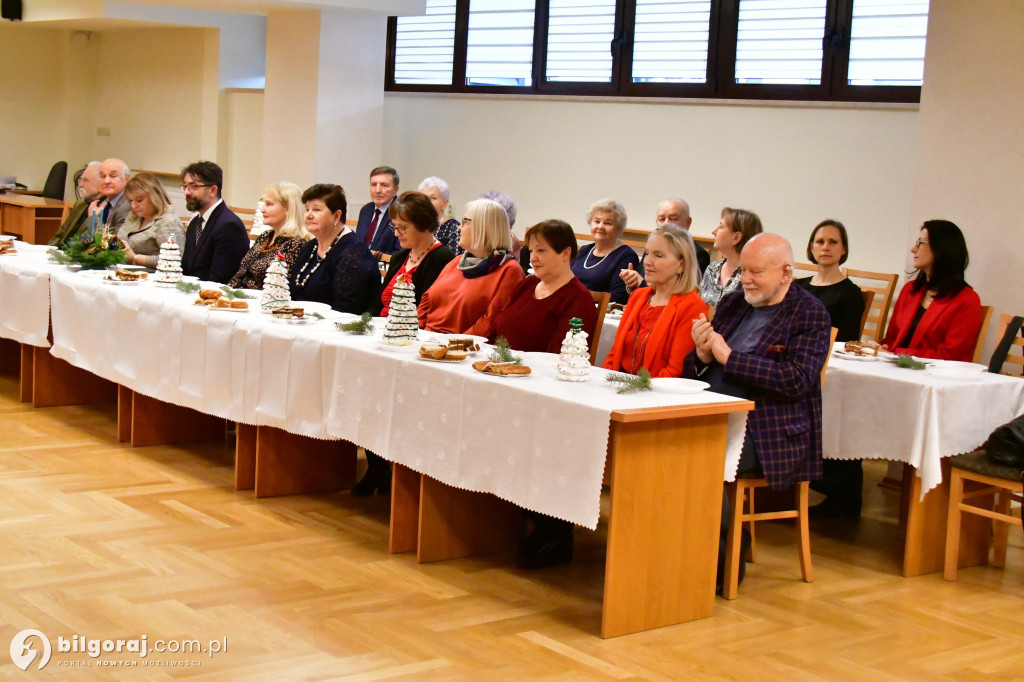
1006	444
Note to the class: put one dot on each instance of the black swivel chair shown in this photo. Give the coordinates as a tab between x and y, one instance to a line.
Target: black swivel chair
54	187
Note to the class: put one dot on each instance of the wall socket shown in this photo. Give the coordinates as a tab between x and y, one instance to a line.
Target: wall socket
103	132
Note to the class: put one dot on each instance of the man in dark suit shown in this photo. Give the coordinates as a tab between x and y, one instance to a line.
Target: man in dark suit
674	211
113	207
768	344
215	240
374	228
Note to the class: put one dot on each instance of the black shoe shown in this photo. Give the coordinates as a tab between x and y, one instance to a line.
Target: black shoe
837	507
373	484
745	542
540	550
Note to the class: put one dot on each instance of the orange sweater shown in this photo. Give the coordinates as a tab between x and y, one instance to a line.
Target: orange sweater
670	340
455	304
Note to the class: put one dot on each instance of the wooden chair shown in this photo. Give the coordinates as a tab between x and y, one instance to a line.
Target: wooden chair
971	476
987	317
884	287
1013	363
601	299
806	267
741	494
869	296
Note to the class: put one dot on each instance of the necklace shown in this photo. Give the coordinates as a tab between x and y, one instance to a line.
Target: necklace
270	245
600	259
412	261
303	276
637	365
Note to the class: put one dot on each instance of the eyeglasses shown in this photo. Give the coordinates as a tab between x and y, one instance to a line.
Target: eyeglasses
399	230
192	187
919	243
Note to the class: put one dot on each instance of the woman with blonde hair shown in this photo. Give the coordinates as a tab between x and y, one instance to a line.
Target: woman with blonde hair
736	228
150	223
655	330
473	288
283	214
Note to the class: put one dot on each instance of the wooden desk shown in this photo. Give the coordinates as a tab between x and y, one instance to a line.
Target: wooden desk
33	219
664	526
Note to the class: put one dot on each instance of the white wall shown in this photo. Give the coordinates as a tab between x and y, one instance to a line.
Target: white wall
32	103
241	150
970	156
793	165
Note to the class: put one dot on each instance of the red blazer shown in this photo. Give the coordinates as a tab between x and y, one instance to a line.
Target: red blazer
670	341
948	330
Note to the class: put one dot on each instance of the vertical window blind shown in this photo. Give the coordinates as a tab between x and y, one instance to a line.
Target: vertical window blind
579	40
500	43
425	46
780	41
887	42
670	41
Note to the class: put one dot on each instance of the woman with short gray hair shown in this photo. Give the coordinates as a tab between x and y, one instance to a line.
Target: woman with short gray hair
598	264
437	191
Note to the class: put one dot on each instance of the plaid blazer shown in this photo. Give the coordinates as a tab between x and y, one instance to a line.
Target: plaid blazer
783	377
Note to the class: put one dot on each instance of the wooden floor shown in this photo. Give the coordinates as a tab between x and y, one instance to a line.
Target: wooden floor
109	542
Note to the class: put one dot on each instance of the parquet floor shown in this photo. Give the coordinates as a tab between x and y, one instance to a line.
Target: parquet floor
113	543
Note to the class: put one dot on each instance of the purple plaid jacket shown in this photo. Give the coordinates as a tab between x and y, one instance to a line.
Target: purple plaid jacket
783	377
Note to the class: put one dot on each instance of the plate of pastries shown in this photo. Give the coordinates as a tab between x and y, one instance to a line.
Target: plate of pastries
214	299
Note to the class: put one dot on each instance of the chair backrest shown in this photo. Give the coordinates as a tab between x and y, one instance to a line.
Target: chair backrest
601	299
54	187
831	342
807	267
884	286
245	215
869	296
986	318
1013	363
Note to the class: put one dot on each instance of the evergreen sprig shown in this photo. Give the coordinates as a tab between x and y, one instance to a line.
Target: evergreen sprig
629	383
230	293
502	352
88	255
187	287
360	326
907	362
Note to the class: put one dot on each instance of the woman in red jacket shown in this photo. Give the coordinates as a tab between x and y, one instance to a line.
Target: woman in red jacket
655	330
937	315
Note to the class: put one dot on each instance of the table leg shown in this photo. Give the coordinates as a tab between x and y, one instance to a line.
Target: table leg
403	534
245	456
456	523
924	550
288	464
27	372
56	382
665	522
10	357
124	413
155	422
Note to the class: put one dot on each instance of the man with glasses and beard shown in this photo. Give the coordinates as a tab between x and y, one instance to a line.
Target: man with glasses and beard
216	240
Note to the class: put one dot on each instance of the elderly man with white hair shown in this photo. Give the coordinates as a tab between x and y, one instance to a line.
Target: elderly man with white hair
114	207
768	344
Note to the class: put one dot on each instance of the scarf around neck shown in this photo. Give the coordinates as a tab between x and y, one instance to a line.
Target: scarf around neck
473	267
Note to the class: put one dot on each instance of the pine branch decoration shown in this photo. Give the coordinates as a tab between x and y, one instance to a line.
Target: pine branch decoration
187	287
231	294
360	326
629	383
907	362
502	352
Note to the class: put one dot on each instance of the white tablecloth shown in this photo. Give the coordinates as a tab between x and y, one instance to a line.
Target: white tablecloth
608	332
874	410
535	441
25	294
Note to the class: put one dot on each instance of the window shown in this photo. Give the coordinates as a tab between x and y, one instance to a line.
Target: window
847	50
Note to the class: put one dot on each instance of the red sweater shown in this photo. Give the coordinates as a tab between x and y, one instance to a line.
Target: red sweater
948	330
456	304
670	340
531	325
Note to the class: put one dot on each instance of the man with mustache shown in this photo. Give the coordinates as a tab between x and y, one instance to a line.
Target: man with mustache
216	240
